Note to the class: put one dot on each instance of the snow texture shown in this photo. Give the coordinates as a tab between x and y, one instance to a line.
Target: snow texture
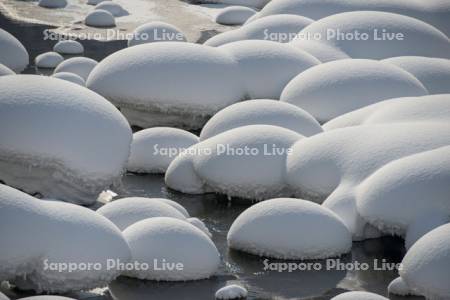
261	112
13	54
358	296
48	60
52	3
249	3
265	229
399	287
232	291
4	70
74	78
156	31
234	15
68	142
34	231
100	18
153	149
68	47
81	66
174	242
114	8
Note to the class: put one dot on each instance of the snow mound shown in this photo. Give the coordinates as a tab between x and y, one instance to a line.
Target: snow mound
153	149
250	3
127	211
277	28
156	32
425	266
234	15
81	66
71	77
399	287
317	171
100	18
68	47
52	3
4	70
247	162
46	297
434	73
232	291
48	60
114	8
13	54
434	12
335	88
266	67
358	296
141	80
190	253
200	225
94	2
402	191
265	229
3	296
36	233
321	51
263	112
364	34
424	224
41	156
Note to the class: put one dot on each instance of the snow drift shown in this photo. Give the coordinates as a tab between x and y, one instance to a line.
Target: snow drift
68	47
156	32
48	60
234	15
13	54
81	66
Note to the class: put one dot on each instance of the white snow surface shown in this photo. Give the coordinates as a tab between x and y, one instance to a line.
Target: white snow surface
81	66
424	224
94	2
48	60
172	241
359	295
399	287
100	18
426	264
262	112
114	8
52	3
335	88
156	31
266	229
3	296
46	297
232	291
153	149
68	47
34	231
234	15
72	77
322	51
4	70
249	3
13	54
68	143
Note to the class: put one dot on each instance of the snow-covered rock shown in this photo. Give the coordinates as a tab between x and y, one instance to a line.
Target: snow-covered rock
68	47
424	224
40	237
321	51
232	291
74	78
127	211
94	2
250	3
48	60
13	54
434	73
399	287
4	70
52	3
359	296
81	66
277	28
46	297
266	229
184	251
262	112
114	8
200	225
153	149
100	18
247	162
168	83
426	264
234	15
156	31
3	296
266	67
68	143
335	88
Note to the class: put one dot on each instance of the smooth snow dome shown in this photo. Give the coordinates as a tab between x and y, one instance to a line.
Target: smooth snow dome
74	78
169	83
232	291
278	28
263	112
100	18
358	296
266	229
81	66
266	67
68	47
153	149
156	32
335	88
94	2
434	73
250	3
48	60
69	143
364	34
114	8
52	3
321	51
46	297
397	194
247	162
435	12
399	287
13	54
34	230
174	242
425	266
234	15
4	70
127	211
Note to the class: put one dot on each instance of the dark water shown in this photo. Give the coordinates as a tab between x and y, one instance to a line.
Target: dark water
218	213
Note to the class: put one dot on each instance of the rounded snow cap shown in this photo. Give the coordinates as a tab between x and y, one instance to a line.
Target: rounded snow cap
358	296
100	18
232	291
234	15
48	60
52	3
68	47
13	54
81	66
156	32
74	78
4	70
